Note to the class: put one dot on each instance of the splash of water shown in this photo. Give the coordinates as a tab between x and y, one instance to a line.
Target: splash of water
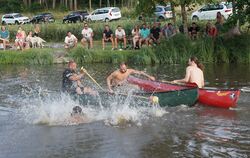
56	108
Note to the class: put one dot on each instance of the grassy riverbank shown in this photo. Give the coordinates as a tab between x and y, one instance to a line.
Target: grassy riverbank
31	56
174	51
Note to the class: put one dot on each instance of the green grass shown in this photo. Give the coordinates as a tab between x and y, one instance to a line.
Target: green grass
174	51
31	56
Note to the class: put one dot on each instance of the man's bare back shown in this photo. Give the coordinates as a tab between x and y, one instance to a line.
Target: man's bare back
194	73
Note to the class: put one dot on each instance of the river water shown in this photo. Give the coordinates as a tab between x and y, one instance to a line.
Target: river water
34	118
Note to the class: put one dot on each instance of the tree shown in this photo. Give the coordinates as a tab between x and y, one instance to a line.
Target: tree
90	7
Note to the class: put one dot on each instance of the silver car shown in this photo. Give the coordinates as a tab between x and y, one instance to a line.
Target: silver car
163	12
14	18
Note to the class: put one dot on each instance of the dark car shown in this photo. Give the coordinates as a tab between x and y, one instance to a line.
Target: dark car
44	17
77	16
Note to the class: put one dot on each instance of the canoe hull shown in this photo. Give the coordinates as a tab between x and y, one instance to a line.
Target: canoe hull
168	94
222	98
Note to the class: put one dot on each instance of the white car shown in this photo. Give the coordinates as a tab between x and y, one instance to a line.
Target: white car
163	12
14	18
209	11
105	14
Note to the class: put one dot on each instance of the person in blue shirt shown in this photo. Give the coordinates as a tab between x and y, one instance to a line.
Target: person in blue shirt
144	34
4	37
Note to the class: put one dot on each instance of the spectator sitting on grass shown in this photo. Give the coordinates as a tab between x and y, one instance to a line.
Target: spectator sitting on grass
155	34
4	37
193	31
169	30
28	39
219	22
87	34
107	37
20	39
136	36
144	34
70	41
36	30
120	35
211	30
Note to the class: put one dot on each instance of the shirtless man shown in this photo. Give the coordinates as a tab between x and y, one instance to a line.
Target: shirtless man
120	76
194	73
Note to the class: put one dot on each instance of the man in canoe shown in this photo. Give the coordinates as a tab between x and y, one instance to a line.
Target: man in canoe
194	73
119	77
72	81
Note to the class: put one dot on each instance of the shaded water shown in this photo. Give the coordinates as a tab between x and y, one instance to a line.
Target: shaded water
34	118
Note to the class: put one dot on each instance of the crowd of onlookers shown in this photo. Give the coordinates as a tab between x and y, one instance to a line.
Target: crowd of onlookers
140	35
143	35
22	40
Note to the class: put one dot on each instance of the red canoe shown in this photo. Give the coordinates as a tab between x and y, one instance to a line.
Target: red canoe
223	98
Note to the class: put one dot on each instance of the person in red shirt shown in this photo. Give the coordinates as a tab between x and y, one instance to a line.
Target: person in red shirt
211	30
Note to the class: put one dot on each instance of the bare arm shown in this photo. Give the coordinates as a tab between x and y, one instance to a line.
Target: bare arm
76	77
202	81
109	78
187	76
142	73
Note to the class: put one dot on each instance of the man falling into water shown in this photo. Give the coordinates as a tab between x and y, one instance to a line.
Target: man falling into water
194	73
72	81
119	77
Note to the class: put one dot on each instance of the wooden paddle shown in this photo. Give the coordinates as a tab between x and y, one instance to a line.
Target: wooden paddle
154	99
180	83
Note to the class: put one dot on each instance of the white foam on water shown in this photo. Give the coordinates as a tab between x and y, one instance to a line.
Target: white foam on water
55	109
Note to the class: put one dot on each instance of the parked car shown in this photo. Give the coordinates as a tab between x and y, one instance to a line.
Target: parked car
209	11
14	18
43	17
77	16
105	14
161	12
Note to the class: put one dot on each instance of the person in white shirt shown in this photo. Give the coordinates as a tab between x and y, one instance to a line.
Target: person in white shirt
87	34
70	41
120	35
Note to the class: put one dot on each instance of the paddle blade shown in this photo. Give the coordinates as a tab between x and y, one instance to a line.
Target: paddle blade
82	70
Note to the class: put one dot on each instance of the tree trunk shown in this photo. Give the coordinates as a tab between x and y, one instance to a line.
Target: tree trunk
90	7
234	7
25	3
29	3
184	18
100	3
75	4
54	4
122	3
66	4
114	3
108	3
71	4
46	4
173	12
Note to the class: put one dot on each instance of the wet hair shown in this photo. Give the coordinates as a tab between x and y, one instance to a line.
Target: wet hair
68	32
119	26
71	62
196	61
77	110
123	63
